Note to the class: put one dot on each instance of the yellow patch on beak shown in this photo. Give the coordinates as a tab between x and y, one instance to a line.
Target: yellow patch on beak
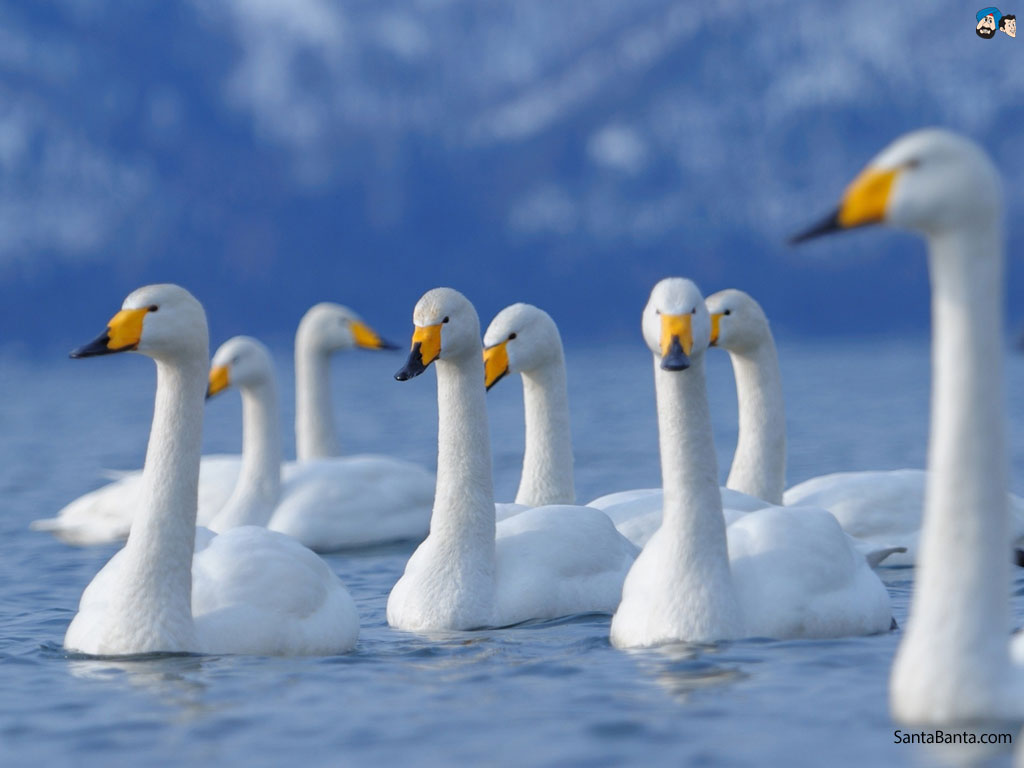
866	199
220	380
676	327
429	339
495	364
715	319
125	329
365	336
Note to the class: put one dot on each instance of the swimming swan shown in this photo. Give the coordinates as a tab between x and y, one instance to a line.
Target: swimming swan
105	514
326	503
245	591
778	572
953	663
524	339
470	572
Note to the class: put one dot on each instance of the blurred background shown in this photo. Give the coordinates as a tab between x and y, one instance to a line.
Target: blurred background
268	154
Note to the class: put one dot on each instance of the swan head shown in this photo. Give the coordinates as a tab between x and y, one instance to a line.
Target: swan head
447	328
676	323
520	339
332	327
241	361
164	322
738	323
931	181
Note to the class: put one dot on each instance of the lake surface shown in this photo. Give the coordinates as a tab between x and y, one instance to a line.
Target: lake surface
552	693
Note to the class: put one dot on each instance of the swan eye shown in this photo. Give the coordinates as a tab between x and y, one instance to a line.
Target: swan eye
511	335
152	308
693	311
727	312
445	319
912	163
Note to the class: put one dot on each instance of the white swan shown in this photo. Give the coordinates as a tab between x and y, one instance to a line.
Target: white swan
524	339
953	663
778	572
329	503
471	572
246	591
105	514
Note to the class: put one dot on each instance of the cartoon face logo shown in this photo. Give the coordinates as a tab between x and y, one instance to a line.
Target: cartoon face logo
988	19
1008	24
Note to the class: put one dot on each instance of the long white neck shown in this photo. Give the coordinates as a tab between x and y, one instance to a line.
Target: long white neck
954	653
315	436
759	464
692	507
258	488
156	594
547	461
463	521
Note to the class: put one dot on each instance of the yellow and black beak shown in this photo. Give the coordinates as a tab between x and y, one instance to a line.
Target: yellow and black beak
220	379
426	348
495	364
122	335
716	318
676	342
864	202
367	338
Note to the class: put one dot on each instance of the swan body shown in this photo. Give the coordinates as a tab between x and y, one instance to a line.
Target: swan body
472	572
326	503
777	573
105	514
953	663
245	591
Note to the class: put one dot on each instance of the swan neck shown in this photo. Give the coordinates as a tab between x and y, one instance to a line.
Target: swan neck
157	581
463	512
258	487
956	638
759	464
315	436
547	460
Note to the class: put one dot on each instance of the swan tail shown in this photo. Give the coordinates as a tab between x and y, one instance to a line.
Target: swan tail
876	556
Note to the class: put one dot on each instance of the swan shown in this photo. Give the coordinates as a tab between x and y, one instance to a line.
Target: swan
471	572
249	590
105	514
524	339
953	664
326	503
777	572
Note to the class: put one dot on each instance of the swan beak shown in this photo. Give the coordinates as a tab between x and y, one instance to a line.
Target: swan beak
495	364
220	379
367	338
864	202
122	335
715	320
426	348
676	342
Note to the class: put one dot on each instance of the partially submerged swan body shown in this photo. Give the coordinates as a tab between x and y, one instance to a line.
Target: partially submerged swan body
953	664
777	572
471	571
105	514
245	591
326	503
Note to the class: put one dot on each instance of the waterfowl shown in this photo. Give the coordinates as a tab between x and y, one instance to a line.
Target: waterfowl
471	572
105	514
248	590
326	503
953	664
777	572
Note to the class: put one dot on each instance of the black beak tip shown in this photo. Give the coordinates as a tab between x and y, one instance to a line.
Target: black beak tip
385	344
827	225
500	377
676	359
97	346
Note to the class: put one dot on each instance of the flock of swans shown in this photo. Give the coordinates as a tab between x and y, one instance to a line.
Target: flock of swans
687	562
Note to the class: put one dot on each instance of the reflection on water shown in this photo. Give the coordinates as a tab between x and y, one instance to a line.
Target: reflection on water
683	668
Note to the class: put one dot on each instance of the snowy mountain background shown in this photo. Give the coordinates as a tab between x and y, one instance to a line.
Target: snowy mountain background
268	154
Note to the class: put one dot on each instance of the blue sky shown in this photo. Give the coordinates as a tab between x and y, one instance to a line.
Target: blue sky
271	154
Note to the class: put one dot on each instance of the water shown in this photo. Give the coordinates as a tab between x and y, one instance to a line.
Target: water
552	693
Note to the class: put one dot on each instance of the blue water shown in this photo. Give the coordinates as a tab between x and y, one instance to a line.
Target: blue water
554	693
